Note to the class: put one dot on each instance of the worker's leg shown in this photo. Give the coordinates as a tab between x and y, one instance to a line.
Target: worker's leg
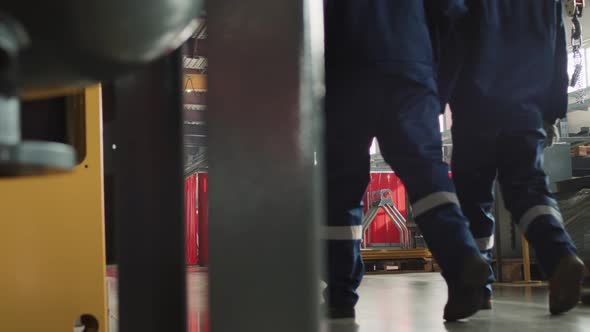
410	139
379	38
474	173
512	102
509	102
527	197
483	99
524	187
361	38
347	141
410	142
473	163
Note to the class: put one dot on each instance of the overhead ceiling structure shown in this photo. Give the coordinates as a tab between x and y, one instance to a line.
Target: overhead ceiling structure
195	103
578	99
194	55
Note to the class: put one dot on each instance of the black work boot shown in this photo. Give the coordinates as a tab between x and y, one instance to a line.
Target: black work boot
586	291
465	293
486	304
339	319
331	312
565	285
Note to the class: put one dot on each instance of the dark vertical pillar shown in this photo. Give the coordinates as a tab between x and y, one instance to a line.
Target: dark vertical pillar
149	193
265	62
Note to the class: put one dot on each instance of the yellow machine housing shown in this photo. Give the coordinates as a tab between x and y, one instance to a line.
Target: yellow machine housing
52	240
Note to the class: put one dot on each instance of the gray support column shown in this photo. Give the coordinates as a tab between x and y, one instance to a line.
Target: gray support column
264	89
148	202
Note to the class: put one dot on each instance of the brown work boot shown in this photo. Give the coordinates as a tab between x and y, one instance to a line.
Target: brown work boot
465	295
565	285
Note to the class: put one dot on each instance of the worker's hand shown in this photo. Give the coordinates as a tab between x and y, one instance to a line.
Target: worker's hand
552	134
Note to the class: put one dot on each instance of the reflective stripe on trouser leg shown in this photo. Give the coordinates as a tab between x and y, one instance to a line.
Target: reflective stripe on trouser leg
485	243
542	226
343	252
432	201
536	211
445	230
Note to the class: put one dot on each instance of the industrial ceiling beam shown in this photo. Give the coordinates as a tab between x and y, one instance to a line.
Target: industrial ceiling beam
195	48
195	140
195	129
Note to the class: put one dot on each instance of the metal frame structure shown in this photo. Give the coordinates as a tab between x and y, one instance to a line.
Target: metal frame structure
381	200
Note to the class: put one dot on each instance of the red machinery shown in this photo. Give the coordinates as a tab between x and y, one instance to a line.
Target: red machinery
196	214
382	232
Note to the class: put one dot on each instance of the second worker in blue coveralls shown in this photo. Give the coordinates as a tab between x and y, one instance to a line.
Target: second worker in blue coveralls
380	83
503	69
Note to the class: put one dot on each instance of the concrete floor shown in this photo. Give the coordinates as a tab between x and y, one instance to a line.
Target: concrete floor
197	286
414	302
410	303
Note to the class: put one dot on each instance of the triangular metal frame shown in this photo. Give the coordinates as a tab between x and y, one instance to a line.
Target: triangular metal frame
382	200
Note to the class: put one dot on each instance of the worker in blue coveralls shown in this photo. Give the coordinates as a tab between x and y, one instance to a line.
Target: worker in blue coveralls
380	83
503	70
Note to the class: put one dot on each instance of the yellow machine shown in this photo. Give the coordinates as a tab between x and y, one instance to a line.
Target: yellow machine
52	239
51	187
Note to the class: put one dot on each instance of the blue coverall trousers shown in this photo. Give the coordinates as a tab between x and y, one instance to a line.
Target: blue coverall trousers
503	70
380	83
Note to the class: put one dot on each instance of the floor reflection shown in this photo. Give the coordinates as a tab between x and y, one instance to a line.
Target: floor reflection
404	303
197	286
415	302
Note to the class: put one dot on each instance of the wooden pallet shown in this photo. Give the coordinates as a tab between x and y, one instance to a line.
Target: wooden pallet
393	254
398	261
